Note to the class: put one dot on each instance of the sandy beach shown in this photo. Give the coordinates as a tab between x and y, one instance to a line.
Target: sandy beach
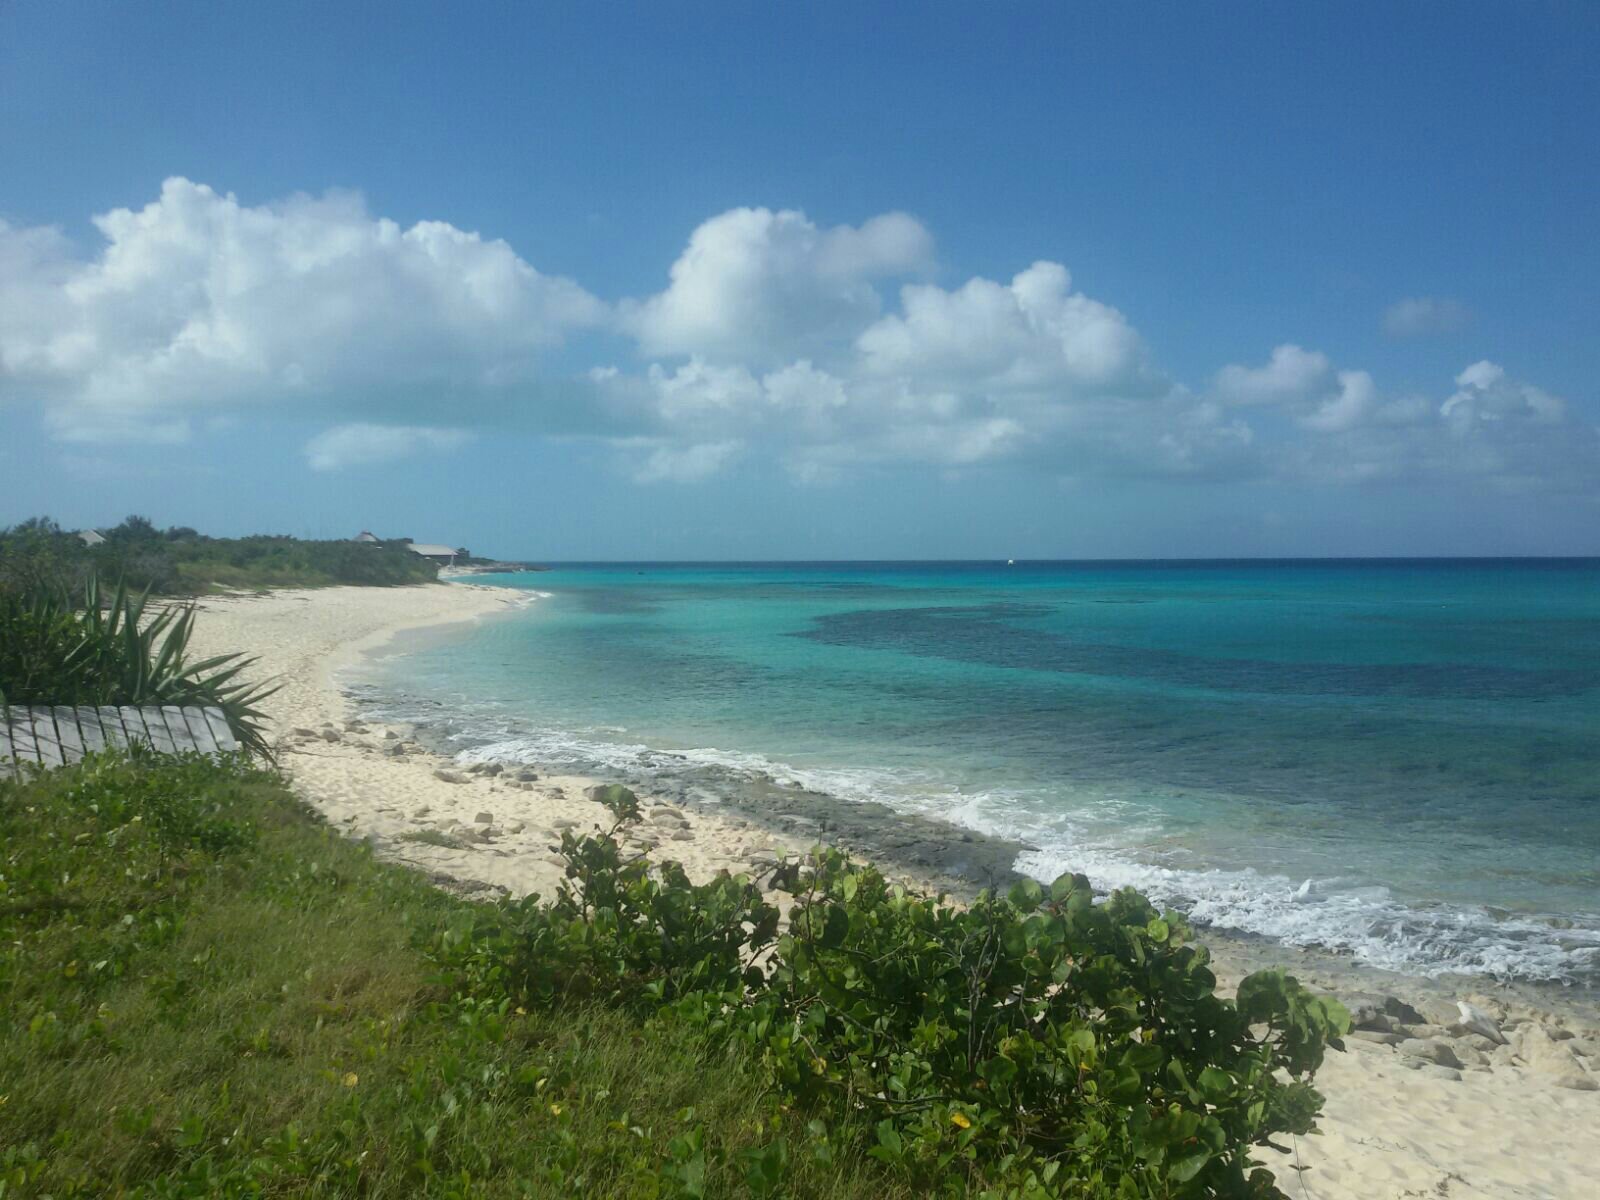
1418	1105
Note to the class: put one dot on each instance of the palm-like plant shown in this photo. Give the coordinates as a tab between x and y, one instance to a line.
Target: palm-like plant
53	651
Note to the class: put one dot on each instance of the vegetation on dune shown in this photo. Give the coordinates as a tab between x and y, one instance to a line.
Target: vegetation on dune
180	561
55	649
204	992
1038	1044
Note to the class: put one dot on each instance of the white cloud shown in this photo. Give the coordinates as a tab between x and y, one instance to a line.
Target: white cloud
360	445
762	287
1493	429
197	304
1351	405
1485	395
1420	316
697	390
1290	374
772	342
686	464
1033	333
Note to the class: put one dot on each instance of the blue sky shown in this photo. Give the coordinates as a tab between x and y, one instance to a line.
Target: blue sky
741	281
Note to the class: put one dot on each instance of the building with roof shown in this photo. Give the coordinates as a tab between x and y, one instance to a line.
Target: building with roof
443	555
91	538
367	537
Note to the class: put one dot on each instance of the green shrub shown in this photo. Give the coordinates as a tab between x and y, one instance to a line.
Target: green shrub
1038	1044
180	561
53	651
206	992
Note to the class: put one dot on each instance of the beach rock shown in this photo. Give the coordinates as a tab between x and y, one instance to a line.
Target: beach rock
1375	1022
1432	1050
330	735
491	769
421	811
1358	1045
1553	1059
1504	1056
1436	1012
396	752
1423	1032
1475	1020
527	776
390	735
449	776
484	818
600	792
1366	1006
683	835
302	731
354	727
565	824
1434	1072
518	827
1377	1037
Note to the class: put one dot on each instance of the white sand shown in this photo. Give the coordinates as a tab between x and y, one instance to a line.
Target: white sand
1505	1128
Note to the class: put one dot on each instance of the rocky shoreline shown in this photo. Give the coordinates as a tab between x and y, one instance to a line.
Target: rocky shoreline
1426	1100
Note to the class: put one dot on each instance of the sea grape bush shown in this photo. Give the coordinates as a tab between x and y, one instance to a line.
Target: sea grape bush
1033	1045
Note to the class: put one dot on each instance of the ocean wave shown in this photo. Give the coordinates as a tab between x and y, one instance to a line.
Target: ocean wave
1337	914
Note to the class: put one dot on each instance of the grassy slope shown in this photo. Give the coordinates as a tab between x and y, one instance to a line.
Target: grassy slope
205	992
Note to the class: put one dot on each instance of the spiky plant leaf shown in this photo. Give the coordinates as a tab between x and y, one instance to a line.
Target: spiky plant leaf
53	651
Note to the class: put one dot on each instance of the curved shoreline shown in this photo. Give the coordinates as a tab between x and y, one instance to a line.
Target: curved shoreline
1392	1126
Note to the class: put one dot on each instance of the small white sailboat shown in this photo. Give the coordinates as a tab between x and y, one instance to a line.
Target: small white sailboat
1011	562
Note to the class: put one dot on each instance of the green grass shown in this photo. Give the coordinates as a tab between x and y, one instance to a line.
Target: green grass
206	992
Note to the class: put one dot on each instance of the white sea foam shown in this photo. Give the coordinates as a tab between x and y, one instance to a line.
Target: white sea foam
1332	913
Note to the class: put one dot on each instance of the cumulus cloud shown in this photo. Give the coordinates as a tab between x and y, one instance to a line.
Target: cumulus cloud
761	286
1032	333
686	464
1290	374
197	304
359	445
1486	395
1421	316
1492	429
778	340
1351	405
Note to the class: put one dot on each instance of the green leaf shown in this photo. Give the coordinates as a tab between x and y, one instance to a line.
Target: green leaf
1026	895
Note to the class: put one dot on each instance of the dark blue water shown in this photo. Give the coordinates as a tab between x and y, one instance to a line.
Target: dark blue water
1398	759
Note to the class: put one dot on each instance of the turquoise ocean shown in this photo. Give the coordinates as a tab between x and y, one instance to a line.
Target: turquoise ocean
1399	760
